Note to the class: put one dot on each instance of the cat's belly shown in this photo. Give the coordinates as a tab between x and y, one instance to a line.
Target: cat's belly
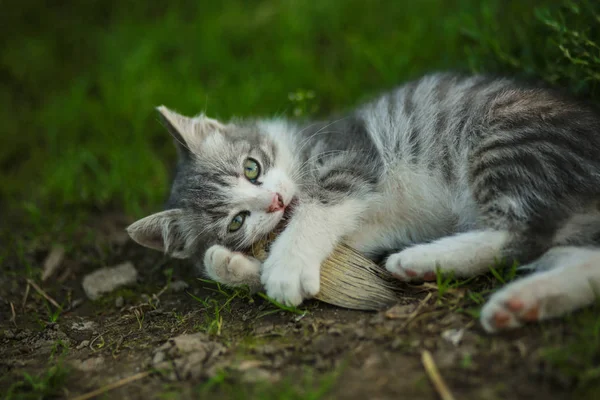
371	238
412	208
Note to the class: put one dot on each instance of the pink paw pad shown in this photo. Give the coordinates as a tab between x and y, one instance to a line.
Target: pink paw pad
398	276
501	319
410	273
515	305
429	276
532	314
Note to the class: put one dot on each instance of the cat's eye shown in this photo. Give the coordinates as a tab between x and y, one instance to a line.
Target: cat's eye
251	169
237	221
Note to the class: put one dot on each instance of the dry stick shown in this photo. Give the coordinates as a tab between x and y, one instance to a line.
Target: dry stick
434	375
40	291
13	319
412	315
114	385
25	296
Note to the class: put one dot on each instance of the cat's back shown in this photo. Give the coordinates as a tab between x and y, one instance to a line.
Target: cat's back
441	116
412	121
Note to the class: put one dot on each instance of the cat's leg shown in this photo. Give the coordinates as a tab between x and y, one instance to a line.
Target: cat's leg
464	254
570	280
231	268
291	273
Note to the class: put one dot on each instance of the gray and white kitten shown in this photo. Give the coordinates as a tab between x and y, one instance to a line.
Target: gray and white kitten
449	171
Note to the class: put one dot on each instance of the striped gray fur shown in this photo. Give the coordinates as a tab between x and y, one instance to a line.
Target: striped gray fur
444	165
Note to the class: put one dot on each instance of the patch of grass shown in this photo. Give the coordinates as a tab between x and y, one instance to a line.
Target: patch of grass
214	307
577	358
47	384
83	130
280	307
309	385
108	300
213	320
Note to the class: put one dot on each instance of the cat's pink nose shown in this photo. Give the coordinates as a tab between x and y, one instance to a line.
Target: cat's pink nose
276	203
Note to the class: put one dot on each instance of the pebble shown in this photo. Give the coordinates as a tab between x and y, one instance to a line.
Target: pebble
84	343
105	280
178	286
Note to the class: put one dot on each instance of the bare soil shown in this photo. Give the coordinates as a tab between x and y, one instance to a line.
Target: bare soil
239	346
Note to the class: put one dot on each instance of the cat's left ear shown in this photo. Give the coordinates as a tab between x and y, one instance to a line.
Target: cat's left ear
161	231
189	133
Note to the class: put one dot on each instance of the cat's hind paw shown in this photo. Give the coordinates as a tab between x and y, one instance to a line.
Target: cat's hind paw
509	312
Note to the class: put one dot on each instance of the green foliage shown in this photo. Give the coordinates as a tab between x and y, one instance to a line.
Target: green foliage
576	359
308	385
557	42
47	384
280	307
78	88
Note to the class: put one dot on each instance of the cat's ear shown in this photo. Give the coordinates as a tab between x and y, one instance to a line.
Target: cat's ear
188	132
161	231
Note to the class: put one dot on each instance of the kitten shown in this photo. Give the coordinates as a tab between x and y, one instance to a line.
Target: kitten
450	171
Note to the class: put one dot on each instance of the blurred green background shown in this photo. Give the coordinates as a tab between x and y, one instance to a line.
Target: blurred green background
79	80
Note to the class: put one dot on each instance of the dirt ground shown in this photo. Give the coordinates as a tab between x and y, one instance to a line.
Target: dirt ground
172	335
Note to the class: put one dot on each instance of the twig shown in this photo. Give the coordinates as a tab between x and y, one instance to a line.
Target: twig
13	319
25	296
41	292
94	341
114	385
412	315
434	375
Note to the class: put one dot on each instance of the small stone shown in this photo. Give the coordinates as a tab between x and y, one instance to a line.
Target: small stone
400	311
76	303
178	286
453	336
105	280
326	345
187	356
397	344
158	358
360	333
83	326
250	364
267	349
334	331
119	302
84	343
263	330
259	375
91	364
53	262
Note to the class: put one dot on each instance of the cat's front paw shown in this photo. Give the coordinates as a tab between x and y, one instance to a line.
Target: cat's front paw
231	268
289	280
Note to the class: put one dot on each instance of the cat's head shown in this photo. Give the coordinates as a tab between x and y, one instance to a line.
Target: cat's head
234	184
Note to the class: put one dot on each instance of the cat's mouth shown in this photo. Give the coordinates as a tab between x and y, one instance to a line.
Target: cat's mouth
287	215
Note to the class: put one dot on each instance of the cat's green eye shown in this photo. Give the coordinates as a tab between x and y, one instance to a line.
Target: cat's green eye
251	169
237	221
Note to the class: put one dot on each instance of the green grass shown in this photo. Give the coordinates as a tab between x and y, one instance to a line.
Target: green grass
47	384
78	88
576	358
307	385
79	83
